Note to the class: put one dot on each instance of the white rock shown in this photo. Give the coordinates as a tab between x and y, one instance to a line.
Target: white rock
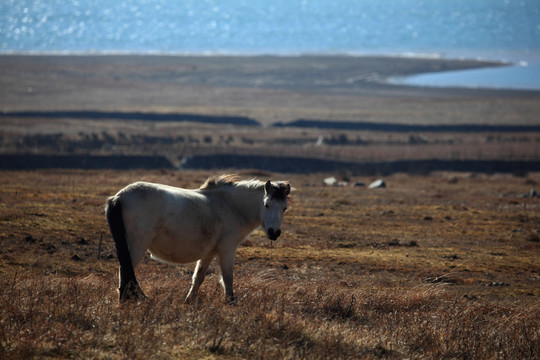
379	183
330	181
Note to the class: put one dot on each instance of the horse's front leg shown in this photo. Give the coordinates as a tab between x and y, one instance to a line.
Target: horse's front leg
198	277
226	262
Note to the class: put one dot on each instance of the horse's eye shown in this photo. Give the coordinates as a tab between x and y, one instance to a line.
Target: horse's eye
266	206
284	209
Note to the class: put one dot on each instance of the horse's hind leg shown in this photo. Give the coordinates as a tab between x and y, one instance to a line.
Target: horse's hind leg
198	277
129	287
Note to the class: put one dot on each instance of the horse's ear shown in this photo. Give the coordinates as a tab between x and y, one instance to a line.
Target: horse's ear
287	189
268	187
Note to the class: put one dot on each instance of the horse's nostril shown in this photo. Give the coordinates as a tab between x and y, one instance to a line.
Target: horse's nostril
273	234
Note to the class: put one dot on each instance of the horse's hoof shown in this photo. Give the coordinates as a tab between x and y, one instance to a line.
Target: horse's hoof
133	298
132	293
231	301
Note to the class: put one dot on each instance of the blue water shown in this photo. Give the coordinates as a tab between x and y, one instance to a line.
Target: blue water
492	29
513	77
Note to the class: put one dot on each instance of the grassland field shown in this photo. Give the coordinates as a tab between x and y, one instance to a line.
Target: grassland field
440	266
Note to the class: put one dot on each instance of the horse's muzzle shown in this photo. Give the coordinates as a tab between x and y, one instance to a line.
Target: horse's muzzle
273	234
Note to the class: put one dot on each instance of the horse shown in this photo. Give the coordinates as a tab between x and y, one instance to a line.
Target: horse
180	226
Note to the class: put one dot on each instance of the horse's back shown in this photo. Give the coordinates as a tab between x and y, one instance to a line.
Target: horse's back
148	194
144	202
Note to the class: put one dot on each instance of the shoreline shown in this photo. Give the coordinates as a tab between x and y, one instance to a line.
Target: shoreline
487	63
418	64
405	55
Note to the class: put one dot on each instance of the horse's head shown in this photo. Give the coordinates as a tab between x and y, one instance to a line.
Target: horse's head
275	204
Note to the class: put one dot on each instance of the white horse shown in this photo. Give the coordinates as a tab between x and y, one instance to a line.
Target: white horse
181	226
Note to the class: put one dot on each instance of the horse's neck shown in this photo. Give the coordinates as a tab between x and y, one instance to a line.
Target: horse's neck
246	202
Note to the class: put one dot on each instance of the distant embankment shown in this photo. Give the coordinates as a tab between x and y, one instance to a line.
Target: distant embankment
307	165
268	163
176	117
123	162
371	126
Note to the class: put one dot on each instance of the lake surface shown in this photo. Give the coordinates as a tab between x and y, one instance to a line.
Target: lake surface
518	77
492	29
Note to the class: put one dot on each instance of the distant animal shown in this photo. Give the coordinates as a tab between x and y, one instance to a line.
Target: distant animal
182	226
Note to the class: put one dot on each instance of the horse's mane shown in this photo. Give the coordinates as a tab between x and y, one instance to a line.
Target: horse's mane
219	181
230	180
215	182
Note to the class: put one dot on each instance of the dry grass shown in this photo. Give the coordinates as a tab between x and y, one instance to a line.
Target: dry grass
78	317
427	268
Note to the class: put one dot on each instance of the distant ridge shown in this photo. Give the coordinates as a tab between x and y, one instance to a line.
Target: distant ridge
122	162
292	164
284	164
349	125
173	117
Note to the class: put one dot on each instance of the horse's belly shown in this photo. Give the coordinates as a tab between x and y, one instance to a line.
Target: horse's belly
180	249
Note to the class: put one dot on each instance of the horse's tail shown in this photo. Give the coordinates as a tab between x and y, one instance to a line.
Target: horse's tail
128	283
